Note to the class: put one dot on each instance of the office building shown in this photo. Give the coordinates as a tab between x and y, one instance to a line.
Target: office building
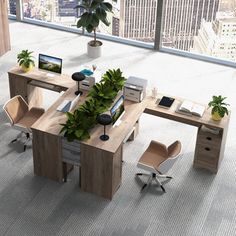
182	20
217	38
66	8
12	7
137	19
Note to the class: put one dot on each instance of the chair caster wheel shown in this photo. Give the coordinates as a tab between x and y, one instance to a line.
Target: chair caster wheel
163	189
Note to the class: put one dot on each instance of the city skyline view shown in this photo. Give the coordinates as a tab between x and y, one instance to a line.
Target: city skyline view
183	25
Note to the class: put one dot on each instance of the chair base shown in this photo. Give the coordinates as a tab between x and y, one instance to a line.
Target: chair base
19	136
154	176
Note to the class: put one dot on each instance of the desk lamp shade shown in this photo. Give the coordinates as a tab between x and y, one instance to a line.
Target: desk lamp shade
104	119
78	76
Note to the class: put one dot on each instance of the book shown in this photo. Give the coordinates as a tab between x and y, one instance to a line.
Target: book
191	108
166	102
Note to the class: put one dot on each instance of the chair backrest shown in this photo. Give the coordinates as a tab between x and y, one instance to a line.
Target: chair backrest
173	152
15	108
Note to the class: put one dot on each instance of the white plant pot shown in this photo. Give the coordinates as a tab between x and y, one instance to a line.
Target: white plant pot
94	51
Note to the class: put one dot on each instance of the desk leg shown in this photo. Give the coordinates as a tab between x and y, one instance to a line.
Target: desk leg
100	170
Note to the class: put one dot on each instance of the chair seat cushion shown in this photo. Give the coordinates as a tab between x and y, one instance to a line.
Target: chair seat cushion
151	158
30	117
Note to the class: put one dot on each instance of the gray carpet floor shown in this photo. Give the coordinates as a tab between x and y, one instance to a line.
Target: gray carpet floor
196	203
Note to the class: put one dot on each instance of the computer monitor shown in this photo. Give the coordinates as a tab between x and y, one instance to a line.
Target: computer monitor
117	111
49	63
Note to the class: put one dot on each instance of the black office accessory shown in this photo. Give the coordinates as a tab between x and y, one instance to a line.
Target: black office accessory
166	102
78	76
104	119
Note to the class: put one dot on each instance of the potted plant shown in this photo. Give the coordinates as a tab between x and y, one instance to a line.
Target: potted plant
25	60
100	98
95	11
219	108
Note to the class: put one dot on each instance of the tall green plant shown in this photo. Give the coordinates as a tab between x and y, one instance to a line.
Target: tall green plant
94	12
218	105
100	99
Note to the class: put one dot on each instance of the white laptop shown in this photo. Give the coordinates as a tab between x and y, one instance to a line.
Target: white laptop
68	105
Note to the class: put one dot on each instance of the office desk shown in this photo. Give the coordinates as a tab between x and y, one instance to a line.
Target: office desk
101	162
29	85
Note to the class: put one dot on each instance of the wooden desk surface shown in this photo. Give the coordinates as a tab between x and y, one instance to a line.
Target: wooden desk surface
51	120
153	109
61	80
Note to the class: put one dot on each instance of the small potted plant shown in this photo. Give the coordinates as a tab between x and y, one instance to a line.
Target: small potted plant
95	11
219	107
25	60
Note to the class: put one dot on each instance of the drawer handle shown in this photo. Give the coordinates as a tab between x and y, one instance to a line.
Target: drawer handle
207	149
208	138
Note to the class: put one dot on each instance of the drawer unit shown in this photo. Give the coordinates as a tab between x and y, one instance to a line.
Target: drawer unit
208	147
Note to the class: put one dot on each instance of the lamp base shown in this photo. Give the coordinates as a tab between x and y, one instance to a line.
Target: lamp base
78	92
104	137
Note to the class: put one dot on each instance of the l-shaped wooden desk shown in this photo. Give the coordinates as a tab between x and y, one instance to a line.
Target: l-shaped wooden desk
101	162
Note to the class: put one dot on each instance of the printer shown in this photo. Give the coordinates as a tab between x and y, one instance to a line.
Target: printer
90	79
135	89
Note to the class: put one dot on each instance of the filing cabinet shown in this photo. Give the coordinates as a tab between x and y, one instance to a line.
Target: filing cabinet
208	146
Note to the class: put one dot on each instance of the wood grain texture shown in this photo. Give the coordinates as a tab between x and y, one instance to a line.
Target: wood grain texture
4	28
62	82
153	109
100	171
47	155
101	161
32	95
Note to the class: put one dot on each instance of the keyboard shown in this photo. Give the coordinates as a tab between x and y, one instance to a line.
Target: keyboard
64	106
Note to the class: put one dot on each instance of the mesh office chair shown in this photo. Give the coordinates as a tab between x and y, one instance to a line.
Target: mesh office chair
21	117
158	159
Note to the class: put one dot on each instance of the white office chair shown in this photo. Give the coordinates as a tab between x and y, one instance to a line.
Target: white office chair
158	159
21	117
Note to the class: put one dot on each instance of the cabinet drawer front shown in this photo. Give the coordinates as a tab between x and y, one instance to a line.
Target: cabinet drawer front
207	153
209	139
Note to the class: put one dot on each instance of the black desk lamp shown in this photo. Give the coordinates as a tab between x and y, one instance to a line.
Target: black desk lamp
104	119
78	76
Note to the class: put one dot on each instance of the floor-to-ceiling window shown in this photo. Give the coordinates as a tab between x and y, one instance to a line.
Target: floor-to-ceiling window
195	27
206	27
61	12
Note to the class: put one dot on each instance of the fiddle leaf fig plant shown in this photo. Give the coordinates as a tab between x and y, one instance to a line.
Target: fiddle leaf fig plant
101	97
95	11
218	106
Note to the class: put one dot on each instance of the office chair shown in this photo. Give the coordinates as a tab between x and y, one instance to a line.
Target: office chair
21	117
158	159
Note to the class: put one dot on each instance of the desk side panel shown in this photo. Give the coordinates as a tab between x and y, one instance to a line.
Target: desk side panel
32	95
100	171
47	155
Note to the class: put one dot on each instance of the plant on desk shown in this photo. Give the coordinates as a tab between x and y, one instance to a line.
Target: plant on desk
219	108
101	96
25	60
